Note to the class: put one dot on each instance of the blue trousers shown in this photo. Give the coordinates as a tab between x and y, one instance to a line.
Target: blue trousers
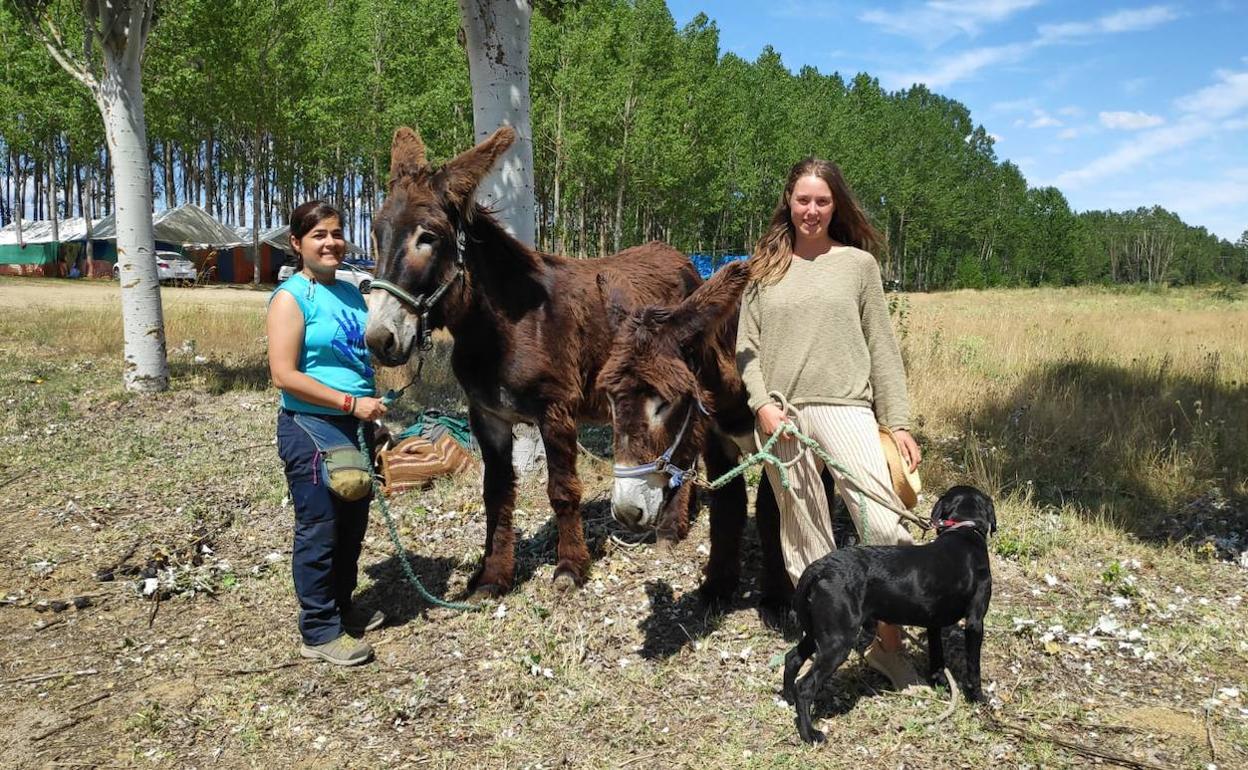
328	532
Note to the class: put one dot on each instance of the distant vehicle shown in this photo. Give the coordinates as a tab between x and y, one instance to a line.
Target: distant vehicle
357	272
171	267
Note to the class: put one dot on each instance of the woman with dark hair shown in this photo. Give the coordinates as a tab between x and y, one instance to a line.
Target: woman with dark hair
814	328
317	357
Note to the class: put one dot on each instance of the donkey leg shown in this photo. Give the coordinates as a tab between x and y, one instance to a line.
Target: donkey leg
723	568
497	569
774	582
564	488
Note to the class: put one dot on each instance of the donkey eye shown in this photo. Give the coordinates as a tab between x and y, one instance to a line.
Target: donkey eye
661	407
426	239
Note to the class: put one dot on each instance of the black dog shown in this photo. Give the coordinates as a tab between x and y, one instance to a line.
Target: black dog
933	585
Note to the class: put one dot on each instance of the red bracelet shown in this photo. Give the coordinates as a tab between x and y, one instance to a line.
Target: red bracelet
348	403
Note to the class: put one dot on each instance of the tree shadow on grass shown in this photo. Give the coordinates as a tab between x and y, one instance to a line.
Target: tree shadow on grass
220	377
1135	444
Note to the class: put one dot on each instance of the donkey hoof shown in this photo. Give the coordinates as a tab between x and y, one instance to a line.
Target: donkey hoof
565	580
488	591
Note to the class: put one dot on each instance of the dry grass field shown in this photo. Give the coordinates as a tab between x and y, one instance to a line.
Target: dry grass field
1109	425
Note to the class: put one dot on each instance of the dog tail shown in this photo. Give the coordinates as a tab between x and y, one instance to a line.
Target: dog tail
801	598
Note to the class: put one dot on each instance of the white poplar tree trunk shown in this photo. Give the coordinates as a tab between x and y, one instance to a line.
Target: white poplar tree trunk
120	29
120	99
497	35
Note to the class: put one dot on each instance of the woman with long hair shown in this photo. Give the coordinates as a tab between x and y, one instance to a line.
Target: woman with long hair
814	328
317	357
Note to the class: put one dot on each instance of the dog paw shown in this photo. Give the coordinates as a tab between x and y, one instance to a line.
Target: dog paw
816	738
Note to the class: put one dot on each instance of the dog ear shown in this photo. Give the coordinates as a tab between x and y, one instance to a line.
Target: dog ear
938	510
992	517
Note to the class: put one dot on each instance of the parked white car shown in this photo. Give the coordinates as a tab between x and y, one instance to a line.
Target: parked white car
171	267
357	272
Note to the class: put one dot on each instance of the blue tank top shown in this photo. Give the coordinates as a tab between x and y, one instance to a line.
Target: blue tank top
333	353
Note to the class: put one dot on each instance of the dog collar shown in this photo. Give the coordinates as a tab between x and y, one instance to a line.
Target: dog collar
946	525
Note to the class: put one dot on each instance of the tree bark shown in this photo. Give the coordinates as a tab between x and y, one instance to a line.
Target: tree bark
497	33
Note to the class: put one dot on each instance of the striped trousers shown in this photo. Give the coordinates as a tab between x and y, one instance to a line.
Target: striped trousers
850	436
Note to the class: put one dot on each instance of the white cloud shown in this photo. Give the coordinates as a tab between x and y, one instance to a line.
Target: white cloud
1204	111
1069	133
959	67
937	20
1070	111
1043	119
1218	204
1219	100
1130	121
1127	156
1131	20
932	21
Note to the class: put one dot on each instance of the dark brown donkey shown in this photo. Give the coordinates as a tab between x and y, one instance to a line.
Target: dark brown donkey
530	329
673	382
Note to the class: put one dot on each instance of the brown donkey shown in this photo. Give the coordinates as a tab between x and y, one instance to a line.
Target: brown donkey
675	391
530	329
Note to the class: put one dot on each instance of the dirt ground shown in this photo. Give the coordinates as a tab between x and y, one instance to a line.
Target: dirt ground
147	617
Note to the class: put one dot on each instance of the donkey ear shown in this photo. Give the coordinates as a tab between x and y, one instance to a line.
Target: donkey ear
407	153
467	169
617	299
710	303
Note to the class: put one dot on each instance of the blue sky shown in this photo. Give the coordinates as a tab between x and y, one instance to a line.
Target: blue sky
1118	104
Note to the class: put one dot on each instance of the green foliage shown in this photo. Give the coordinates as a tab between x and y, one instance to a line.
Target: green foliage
641	130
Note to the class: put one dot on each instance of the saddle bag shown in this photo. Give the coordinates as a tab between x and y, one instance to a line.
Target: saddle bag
340	462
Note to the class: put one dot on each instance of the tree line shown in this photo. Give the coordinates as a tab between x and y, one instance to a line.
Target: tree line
641	130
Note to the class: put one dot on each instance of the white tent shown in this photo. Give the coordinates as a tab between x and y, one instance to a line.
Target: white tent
40	231
187	225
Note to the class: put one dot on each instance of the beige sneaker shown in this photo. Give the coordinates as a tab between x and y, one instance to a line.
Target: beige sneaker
343	651
894	665
358	620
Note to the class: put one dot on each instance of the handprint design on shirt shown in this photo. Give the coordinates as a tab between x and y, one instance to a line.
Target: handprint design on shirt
350	346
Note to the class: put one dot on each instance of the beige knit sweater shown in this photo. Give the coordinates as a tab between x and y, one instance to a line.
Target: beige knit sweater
822	335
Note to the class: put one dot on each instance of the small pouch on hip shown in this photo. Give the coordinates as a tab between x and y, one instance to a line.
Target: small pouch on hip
341	463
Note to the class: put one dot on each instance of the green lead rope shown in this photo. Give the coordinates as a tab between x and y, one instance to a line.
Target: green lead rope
765	455
380	496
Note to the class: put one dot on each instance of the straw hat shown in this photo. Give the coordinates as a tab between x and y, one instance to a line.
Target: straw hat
906	482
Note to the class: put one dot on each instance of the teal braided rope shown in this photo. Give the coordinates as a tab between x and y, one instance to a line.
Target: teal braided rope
765	455
380	496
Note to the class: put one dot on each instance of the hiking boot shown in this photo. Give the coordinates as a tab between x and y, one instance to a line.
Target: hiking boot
358	620
896	666
343	651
